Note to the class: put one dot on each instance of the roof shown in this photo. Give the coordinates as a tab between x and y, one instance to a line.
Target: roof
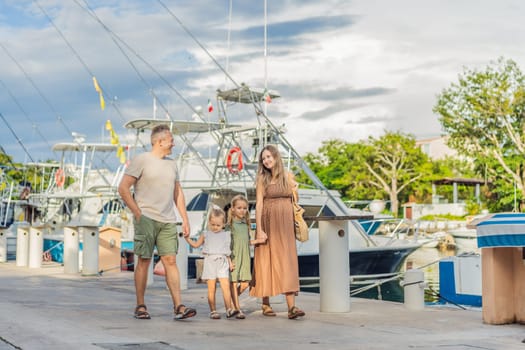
458	180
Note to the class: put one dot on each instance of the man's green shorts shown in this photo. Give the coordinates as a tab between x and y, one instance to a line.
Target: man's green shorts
150	233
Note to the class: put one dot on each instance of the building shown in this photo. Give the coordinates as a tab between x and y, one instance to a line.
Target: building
436	147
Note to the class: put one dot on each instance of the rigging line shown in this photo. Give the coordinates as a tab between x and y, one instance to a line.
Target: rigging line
33	124
63	37
199	43
228	42
17	138
82	62
8	157
59	118
93	14
113	34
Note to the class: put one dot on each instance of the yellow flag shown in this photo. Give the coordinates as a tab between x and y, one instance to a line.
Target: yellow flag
97	88
121	154
114	138
123	158
102	102
100	94
115	141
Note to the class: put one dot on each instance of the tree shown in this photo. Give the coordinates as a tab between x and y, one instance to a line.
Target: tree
394	162
484	116
374	169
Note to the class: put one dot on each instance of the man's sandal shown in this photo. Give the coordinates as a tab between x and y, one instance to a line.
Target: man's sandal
295	312
267	310
141	312
182	312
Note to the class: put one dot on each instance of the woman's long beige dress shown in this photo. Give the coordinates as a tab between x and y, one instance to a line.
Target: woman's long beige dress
276	268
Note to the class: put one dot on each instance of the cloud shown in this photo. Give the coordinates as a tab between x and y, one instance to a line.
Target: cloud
347	69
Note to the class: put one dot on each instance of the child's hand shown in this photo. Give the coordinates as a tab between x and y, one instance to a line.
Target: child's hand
232	266
261	237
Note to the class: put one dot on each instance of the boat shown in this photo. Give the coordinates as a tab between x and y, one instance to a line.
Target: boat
369	255
88	197
460	279
465	239
376	208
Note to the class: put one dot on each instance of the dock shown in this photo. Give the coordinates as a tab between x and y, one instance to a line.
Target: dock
45	308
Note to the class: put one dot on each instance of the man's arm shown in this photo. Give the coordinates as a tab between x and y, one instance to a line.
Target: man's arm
124	189
180	203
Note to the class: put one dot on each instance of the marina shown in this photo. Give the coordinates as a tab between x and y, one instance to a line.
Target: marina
368	279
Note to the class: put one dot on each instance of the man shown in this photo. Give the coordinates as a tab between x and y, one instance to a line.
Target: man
157	191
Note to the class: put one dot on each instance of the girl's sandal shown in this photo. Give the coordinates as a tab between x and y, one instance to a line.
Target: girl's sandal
295	312
214	315
240	315
267	310
231	312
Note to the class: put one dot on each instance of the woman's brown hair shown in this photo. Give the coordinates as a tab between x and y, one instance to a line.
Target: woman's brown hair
266	176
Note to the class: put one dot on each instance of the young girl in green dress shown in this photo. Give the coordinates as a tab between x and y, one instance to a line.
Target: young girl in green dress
239	223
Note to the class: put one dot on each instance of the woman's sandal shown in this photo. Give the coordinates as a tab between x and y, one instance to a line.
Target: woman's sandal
231	312
267	310
240	315
295	312
214	315
186	313
141	312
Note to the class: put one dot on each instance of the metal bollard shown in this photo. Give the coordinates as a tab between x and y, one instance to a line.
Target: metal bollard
3	246
182	262
36	246
89	250
22	245
334	267
71	250
414	288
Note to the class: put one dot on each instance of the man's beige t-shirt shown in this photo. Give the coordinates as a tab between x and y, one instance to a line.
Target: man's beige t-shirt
155	186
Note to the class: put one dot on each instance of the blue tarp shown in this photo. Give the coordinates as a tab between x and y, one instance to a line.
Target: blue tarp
501	230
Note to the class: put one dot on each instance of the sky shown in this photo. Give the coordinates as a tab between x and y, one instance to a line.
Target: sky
344	69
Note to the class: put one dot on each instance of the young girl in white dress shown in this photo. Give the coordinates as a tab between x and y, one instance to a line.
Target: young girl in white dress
217	263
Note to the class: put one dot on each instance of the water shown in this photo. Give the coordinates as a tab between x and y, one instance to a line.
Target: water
427	259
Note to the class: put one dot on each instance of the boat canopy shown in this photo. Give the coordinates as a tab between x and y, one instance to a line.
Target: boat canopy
178	127
83	147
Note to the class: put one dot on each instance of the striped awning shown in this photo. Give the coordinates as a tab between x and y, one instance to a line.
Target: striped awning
501	230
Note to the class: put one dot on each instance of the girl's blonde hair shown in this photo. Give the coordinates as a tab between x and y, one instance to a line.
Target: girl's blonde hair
234	201
216	212
278	174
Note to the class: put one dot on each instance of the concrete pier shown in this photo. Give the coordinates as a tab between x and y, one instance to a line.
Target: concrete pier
46	309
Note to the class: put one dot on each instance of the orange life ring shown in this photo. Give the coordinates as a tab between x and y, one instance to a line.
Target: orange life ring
234	154
60	177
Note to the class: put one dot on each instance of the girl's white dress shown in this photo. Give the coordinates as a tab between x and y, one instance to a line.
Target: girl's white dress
216	249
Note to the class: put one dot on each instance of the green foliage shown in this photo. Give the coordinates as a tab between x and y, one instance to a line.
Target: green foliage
474	208
450	217
379	168
18	175
484	115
